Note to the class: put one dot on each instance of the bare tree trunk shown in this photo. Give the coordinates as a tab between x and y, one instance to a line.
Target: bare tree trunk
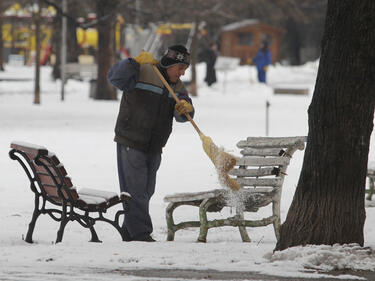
1	42
328	206
37	20
105	57
56	44
194	50
13	36
72	43
294	41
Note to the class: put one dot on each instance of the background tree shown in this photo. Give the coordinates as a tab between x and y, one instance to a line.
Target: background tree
1	37
106	13
4	5
56	43
76	9
37	18
328	206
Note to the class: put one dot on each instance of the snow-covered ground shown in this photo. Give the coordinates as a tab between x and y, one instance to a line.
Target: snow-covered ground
80	131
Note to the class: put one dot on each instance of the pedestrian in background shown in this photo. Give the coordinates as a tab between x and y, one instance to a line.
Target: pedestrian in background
209	57
262	60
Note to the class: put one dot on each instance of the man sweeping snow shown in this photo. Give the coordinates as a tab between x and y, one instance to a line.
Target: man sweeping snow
143	127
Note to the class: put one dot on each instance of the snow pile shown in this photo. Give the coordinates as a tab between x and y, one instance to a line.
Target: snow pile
324	258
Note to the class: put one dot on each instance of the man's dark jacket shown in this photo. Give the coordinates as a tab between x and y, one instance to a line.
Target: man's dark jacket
147	109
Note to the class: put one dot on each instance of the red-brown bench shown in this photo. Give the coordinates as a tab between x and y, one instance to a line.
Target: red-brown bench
52	187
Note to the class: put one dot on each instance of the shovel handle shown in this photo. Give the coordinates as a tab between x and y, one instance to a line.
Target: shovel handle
165	83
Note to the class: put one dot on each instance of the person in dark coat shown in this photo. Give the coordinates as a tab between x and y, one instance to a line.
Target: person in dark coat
210	56
262	60
143	126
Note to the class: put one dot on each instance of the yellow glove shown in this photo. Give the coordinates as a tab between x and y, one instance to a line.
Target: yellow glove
249	61
183	107
265	68
145	57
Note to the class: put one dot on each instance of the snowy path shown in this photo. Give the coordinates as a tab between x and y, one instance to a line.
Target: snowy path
80	131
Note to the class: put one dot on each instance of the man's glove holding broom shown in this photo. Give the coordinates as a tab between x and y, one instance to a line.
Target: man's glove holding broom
183	107
145	57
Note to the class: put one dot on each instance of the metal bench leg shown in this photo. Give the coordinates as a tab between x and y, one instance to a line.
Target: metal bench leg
170	221
64	221
203	219
60	232
244	235
90	224
123	232
115	223
36	213
94	236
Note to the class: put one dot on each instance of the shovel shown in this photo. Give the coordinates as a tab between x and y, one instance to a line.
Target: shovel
223	161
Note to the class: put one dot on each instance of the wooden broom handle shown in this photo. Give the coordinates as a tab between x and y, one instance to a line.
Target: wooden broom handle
175	97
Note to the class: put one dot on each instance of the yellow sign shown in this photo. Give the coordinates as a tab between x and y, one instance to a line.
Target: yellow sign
167	28
24	37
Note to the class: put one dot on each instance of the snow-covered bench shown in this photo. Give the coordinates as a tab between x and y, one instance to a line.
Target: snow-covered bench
59	198
81	71
260	171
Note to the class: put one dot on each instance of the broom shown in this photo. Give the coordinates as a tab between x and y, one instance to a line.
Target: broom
222	160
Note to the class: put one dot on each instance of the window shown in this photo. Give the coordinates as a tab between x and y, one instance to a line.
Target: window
245	38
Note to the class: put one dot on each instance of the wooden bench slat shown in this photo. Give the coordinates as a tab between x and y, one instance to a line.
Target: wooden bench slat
91	203
46	179
262	152
260	172
92	200
190	196
60	168
106	195
199	196
52	157
260	182
51	190
29	148
269	142
261	161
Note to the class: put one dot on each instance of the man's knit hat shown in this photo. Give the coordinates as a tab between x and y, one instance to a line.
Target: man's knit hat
174	55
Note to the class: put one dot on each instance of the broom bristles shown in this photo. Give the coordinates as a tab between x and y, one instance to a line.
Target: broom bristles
222	160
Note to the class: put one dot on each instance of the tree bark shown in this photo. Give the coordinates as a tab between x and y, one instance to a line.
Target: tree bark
1	43
56	44
37	20
72	43
105	57
328	206
194	50
294	41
